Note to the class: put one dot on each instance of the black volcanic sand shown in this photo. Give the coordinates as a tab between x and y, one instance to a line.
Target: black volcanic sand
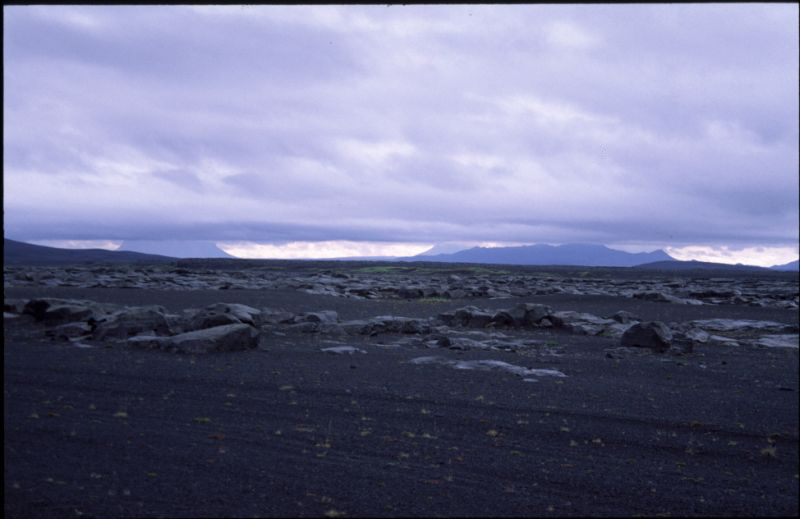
287	430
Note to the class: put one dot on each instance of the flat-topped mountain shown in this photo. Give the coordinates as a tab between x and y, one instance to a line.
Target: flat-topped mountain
21	253
693	264
176	248
571	254
445	248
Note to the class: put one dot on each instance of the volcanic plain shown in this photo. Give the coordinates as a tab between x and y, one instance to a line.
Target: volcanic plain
351	389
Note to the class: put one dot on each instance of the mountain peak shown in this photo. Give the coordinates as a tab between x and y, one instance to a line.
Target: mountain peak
792	265
449	247
176	248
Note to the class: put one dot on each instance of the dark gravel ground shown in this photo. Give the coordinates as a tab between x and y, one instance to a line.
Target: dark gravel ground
287	430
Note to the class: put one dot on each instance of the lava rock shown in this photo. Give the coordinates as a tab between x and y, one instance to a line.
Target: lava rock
150	319
624	317
230	337
650	334
323	316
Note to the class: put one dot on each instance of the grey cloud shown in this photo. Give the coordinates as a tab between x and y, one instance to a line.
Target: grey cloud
253	108
176	43
182	178
432	171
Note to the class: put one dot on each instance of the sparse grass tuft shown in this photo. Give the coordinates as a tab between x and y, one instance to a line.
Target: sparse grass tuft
382	269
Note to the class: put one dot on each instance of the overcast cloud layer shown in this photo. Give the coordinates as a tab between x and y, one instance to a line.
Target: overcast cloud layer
634	125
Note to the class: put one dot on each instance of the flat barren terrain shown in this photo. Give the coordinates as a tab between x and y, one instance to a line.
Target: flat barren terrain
419	393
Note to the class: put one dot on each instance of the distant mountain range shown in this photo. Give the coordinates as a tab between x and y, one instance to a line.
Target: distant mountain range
21	253
695	265
792	265
587	255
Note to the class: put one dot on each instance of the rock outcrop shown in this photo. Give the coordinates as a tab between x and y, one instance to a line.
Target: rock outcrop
229	337
651	334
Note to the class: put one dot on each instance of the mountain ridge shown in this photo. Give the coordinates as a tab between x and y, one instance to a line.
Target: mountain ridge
791	266
22	253
577	254
697	265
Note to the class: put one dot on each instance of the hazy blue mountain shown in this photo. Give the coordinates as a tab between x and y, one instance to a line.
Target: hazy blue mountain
21	253
176	248
571	254
445	248
693	264
792	265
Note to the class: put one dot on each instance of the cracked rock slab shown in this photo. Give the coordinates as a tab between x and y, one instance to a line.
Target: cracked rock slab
231	337
488	365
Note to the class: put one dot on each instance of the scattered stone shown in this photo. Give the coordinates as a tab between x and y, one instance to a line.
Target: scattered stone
330	329
224	313
230	337
737	325
615	330
534	313
488	365
304	327
624	317
721	340
620	352
779	341
58	311
504	318
150	319
14	306
69	331
650	334
463	343
778	293
472	317
582	323
273	316
339	350
691	336
357	327
409	293
324	316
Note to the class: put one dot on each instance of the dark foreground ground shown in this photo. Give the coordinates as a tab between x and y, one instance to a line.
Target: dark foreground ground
287	430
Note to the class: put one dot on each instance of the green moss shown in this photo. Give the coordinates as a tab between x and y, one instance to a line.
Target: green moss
433	300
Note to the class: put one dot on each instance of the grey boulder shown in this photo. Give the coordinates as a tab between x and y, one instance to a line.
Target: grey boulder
230	337
220	314
650	334
534	313
150	319
624	317
60	311
322	317
14	306
582	323
69	331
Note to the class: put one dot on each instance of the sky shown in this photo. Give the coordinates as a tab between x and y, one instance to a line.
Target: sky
314	131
